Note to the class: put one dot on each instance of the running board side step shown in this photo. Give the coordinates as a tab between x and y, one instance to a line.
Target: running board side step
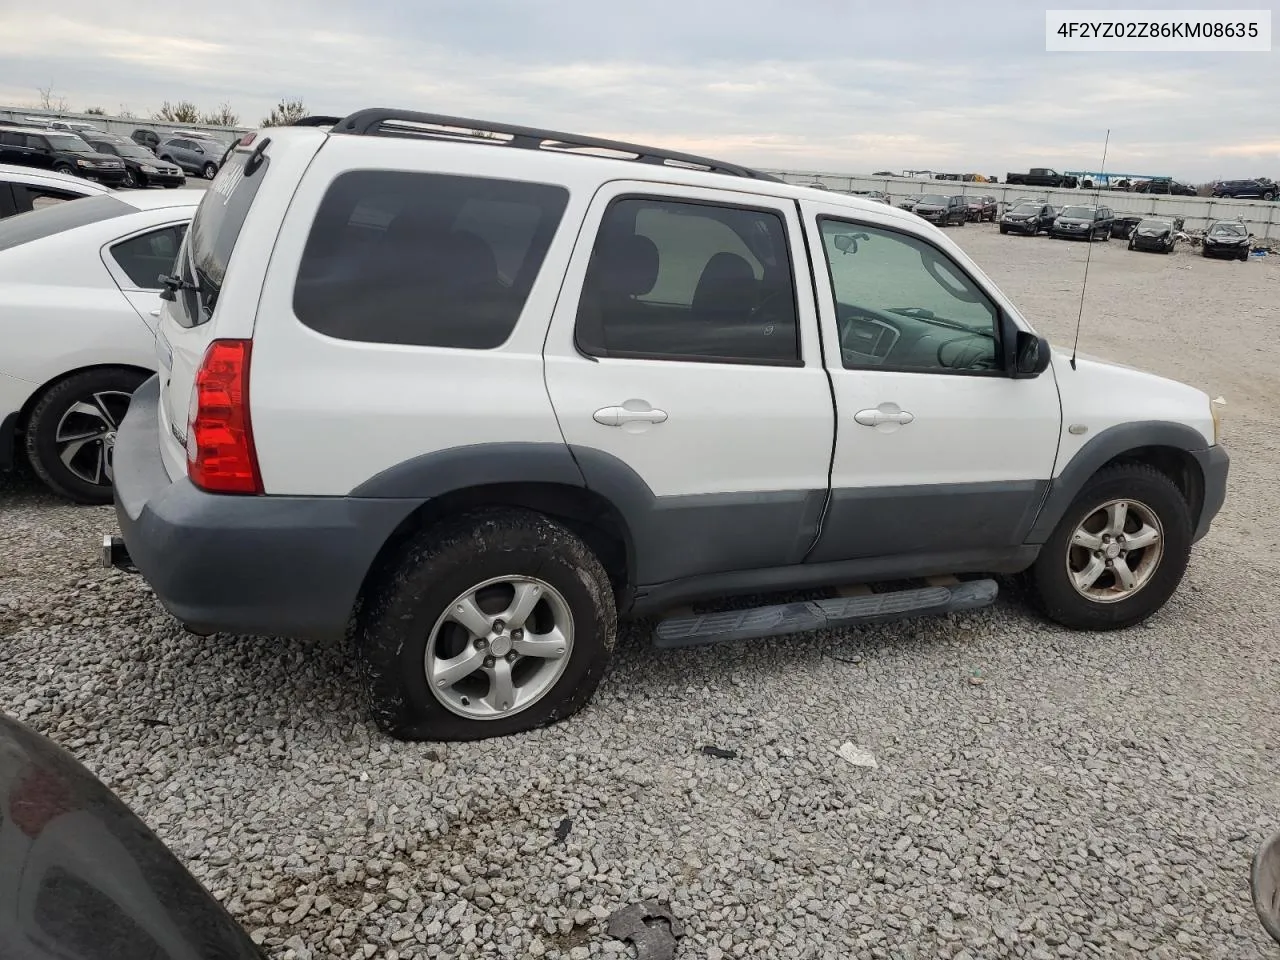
696	630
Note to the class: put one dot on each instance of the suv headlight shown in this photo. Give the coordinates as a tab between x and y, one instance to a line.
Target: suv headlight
1215	410
83	163
147	168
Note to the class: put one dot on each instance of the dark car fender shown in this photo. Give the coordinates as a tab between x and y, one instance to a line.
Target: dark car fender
1134	438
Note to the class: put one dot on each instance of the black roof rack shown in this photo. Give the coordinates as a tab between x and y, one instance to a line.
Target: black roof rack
314	122
385	122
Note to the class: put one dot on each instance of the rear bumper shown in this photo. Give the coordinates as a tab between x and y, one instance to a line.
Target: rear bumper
1214	466
276	566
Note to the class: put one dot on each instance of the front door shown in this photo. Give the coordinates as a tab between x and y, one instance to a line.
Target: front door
687	377
939	452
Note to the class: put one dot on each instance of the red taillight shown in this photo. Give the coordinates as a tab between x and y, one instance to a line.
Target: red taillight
247	139
220	454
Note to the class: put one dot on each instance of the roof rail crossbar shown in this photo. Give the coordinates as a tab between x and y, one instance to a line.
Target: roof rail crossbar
386	122
312	121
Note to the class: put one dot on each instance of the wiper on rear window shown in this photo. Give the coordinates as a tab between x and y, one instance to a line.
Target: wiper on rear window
172	283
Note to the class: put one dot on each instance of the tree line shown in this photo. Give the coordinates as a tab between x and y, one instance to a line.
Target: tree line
288	110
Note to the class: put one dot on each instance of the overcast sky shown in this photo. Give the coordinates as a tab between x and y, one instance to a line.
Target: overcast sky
831	85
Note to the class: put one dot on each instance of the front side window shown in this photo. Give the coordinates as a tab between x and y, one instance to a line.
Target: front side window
682	280
145	257
423	259
902	304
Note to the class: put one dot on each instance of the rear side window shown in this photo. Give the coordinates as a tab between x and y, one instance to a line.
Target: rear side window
424	259
38	224
145	257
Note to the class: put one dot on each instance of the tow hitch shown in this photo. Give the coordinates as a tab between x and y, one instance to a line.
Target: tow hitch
116	555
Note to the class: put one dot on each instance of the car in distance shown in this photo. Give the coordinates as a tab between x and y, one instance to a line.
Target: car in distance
1226	239
1164	186
1078	221
142	168
79	294
346	289
1153	233
197	157
982	208
1029	217
1042	177
1260	187
942	210
82	877
24	188
146	138
909	203
878	196
64	153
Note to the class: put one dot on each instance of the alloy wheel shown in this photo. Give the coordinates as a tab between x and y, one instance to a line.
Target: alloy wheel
86	435
1115	551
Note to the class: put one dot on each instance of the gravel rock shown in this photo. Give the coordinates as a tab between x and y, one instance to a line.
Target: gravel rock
1095	795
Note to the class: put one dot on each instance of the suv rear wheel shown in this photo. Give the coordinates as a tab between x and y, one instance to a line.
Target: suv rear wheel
496	623
71	432
1119	551
210	171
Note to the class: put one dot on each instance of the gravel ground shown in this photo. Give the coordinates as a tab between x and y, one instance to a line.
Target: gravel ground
1039	793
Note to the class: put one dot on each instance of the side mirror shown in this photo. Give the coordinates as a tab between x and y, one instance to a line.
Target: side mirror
1031	355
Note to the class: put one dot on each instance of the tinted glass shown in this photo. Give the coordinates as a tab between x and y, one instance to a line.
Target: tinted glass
933	198
217	224
1082	213
676	280
1228	230
903	304
38	224
68	143
424	259
145	257
1027	209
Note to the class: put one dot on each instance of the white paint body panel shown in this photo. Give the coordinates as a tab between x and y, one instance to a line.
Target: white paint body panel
33	177
731	427
62	309
966	429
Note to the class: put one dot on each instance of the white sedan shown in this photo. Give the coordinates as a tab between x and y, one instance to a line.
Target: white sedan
27	188
79	297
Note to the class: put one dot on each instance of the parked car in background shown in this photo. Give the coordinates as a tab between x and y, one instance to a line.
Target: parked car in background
1261	187
23	189
146	138
1122	227
1080	222
879	196
1164	186
1227	239
909	203
198	157
142	168
1042	177
79	295
62	152
1153	233
1029	217
942	210
982	208
884	173
344	291
82	878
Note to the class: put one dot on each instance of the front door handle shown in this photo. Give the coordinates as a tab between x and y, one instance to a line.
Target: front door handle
617	416
874	417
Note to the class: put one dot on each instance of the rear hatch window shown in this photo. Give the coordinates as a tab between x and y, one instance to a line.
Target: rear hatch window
213	235
48	220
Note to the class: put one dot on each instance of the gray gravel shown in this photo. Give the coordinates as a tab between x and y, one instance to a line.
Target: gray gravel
1039	793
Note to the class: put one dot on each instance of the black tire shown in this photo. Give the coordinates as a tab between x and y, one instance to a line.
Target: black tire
1004	229
172	186
442	565
209	171
1130	244
1269	195
66	169
1058	595
42	436
1106	236
1244	256
131	179
1204	253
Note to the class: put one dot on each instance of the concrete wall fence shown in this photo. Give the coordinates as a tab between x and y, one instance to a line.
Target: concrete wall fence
1261	216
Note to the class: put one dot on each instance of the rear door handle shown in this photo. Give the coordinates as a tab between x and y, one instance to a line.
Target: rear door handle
617	416
873	417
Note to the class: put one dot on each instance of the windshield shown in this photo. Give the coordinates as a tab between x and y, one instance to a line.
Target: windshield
68	143
127	148
1227	230
1155	225
936	199
1083	213
1027	209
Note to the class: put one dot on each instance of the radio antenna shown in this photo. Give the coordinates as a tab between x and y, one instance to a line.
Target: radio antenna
1097	198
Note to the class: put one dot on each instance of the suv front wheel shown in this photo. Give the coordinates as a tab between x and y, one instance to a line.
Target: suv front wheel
495	623
1119	551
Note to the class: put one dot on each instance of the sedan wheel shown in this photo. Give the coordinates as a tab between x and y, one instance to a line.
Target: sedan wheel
130	178
71	434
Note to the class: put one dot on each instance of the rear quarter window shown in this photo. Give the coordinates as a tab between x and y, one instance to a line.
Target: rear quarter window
424	259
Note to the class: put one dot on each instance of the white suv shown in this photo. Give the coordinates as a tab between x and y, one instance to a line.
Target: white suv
478	391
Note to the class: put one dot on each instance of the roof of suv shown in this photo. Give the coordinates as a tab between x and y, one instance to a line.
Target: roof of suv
612	159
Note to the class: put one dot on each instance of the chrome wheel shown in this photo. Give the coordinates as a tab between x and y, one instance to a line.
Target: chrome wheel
86	435
1115	551
499	648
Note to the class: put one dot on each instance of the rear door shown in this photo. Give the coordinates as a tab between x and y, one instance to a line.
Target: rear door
685	370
